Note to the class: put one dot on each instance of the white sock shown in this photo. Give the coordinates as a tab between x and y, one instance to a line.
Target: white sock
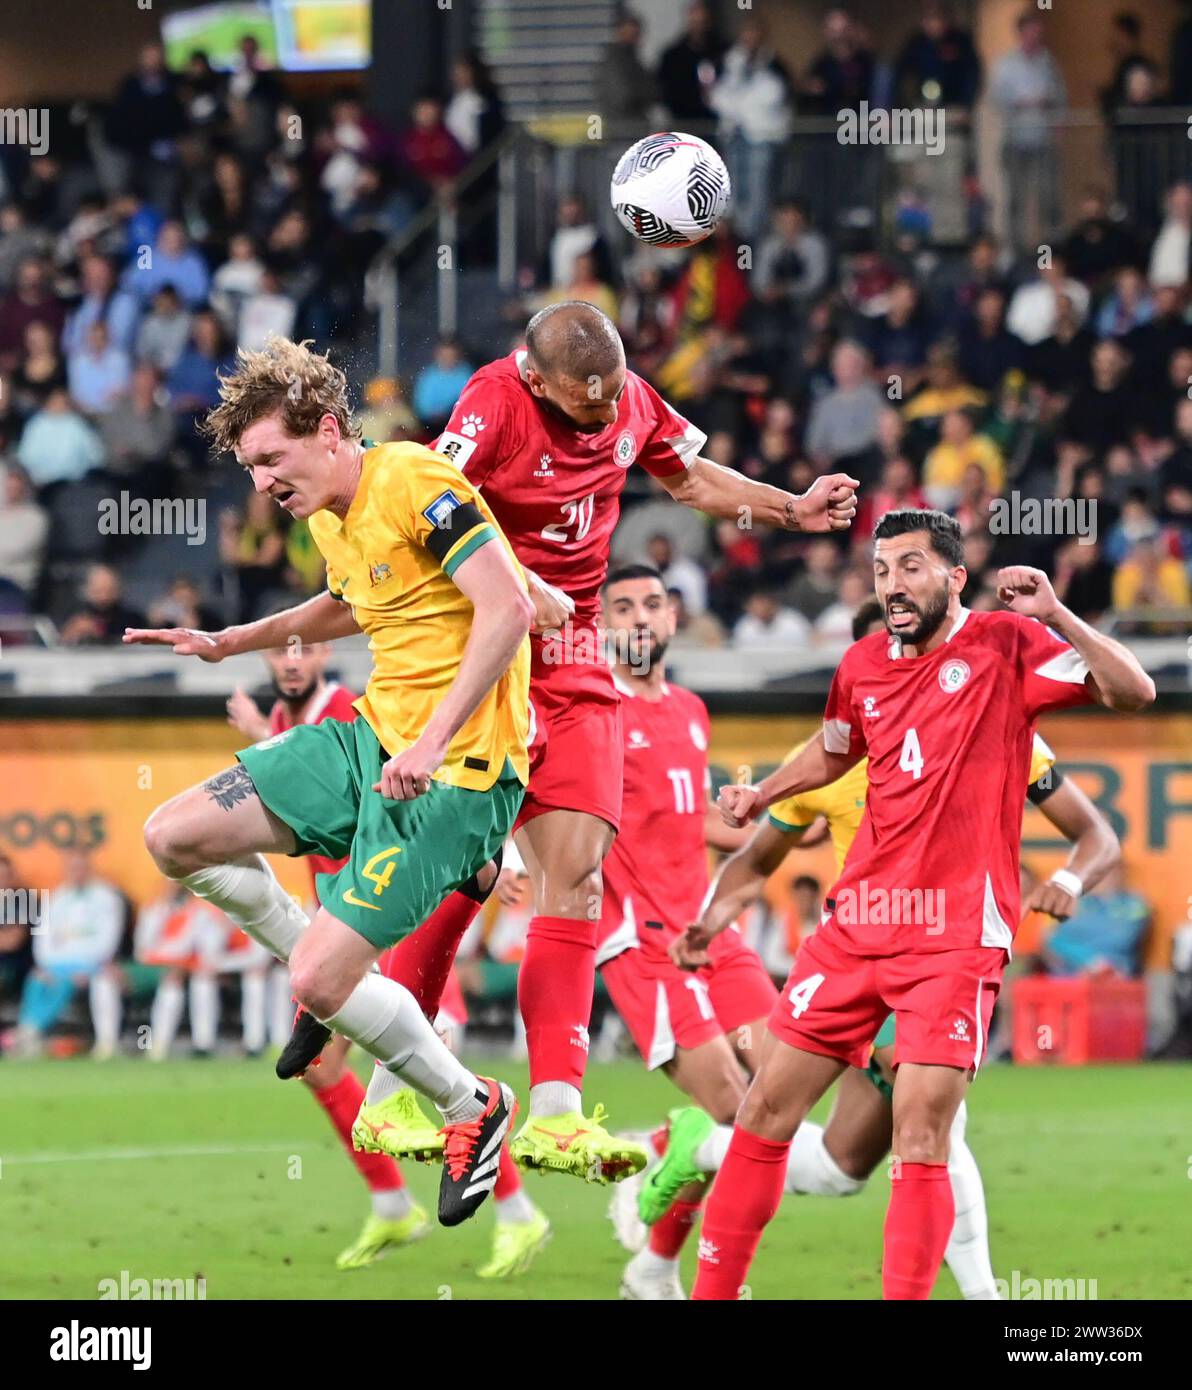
204	1012
384	1018
252	1010
968	1248
382	1084
392	1204
105	1009
248	891
515	1208
554	1098
710	1154
281	1007
811	1169
649	1261
165	1016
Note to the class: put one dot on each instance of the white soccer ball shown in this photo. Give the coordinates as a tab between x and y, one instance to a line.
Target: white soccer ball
670	189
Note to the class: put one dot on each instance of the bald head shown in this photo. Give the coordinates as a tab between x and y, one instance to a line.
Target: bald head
576	363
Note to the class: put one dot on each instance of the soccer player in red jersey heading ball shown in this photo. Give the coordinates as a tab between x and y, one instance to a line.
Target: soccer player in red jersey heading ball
548	434
919	923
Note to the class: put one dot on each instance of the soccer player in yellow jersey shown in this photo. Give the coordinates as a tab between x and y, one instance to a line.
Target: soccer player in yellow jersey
418	793
836	1160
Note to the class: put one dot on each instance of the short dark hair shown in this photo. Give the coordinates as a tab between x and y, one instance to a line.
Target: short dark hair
943	531
870	612
624	572
573	339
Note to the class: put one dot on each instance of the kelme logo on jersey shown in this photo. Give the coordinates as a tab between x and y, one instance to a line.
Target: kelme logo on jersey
953	674
439	511
625	450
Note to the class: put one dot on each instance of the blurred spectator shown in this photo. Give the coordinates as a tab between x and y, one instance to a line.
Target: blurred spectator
1103	935
193	382
102	301
164	331
693	632
31	300
1152	344
679	572
971	508
235	280
1034	308
647	318
1149	578
146	119
752	100
138	434
835	623
473	114
182	605
23	530
898	339
844	421
960	445
386	414
1128	305
99	372
171	261
73	948
986	351
793	261
768	624
687	69
440	384
1169	263
102	616
586	285
1082	580
816	589
16	943
58	445
353	140
428	149
252	548
1125	44
575	234
841	76
1179	86
1061	358
898	488
224	206
1097	245
1028	90
202	92
625	89
737	572
40	370
19	242
938	65
1101	414
267	312
254	96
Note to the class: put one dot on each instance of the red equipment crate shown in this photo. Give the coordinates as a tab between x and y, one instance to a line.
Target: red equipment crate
1067	1022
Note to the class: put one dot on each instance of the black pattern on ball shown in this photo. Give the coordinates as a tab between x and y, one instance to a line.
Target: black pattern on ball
646	155
705	192
649	228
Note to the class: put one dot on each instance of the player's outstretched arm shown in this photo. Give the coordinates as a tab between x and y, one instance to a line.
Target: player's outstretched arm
320	619
501	620
828	504
813	766
1095	850
1115	677
736	887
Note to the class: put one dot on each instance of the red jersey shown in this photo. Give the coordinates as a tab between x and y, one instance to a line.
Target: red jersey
555	490
333	702
934	866
656	874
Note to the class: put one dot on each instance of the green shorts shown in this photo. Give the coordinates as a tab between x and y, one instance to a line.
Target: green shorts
885	1038
404	857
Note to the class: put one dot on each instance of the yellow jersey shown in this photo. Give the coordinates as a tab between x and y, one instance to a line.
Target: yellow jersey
842	803
413	521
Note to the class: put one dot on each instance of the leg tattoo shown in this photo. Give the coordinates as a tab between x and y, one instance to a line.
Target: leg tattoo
229	788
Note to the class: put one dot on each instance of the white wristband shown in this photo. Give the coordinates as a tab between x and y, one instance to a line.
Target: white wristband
1068	881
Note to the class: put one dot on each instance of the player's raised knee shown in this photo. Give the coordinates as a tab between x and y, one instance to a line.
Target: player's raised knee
309	985
170	845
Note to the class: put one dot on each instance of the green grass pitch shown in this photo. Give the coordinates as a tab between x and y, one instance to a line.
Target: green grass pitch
188	1168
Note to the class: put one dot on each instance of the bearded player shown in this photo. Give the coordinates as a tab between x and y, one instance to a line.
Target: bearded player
548	435
836	1160
697	1028
919	923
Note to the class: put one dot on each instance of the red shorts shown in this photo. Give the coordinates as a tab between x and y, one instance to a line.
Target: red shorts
581	768
834	1002
666	1008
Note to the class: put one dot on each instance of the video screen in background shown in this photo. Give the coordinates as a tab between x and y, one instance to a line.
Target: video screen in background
294	35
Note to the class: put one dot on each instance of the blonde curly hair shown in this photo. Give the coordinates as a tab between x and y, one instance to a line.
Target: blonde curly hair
283	376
